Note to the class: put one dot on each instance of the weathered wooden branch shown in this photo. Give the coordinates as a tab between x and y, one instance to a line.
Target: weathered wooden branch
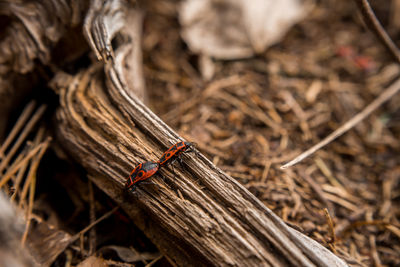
106	19
198	215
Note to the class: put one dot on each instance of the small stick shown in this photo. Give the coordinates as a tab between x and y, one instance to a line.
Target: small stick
13	170
374	252
21	156
395	230
118	263
377	28
17	127
265	172
92	215
87	228
154	261
383	97
358	224
31	181
32	189
331	230
33	169
18	181
68	258
39	112
21	171
82	245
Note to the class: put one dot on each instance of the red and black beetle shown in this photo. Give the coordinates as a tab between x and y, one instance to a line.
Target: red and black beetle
142	172
174	152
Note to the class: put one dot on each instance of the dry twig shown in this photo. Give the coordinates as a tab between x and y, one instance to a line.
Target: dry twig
377	28
90	226
332	241
386	95
17	127
92	215
28	127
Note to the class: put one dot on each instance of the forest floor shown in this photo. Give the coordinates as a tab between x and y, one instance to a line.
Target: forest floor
257	114
252	117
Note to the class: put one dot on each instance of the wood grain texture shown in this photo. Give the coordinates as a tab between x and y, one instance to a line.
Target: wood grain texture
117	20
197	216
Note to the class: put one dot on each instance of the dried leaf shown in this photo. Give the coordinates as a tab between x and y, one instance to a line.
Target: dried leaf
231	29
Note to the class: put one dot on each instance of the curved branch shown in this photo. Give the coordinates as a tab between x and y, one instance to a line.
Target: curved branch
198	215
377	28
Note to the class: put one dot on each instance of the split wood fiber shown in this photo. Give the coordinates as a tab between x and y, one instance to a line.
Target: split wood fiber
198	215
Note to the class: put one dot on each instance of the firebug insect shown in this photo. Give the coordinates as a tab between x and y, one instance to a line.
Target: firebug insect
142	172
174	153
